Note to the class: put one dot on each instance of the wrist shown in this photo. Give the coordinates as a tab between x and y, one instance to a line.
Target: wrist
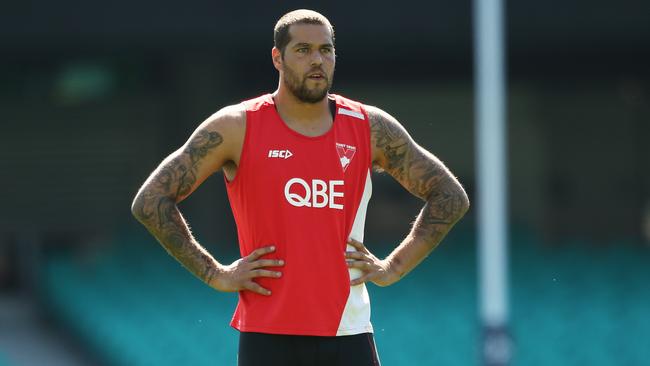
216	276
393	268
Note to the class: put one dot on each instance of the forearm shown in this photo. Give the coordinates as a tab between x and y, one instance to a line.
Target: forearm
440	213
160	215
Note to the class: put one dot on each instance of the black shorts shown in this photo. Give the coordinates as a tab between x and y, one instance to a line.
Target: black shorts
258	349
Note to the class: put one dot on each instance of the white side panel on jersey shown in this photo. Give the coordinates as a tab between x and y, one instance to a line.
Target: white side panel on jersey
356	315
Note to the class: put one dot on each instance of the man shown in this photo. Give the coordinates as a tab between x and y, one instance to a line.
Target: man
297	169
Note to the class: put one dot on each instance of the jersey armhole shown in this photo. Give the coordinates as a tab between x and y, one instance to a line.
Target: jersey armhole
243	155
368	134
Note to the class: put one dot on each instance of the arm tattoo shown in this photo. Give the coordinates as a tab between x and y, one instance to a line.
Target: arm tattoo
197	149
155	205
420	173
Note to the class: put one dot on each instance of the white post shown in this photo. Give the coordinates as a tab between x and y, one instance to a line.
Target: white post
491	166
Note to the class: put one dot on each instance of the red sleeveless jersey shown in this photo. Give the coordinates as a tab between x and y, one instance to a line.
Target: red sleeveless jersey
307	196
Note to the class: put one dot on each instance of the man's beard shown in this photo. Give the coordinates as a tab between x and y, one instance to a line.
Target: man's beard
299	87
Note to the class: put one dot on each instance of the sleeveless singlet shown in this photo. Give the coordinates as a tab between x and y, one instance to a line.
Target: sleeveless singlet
307	196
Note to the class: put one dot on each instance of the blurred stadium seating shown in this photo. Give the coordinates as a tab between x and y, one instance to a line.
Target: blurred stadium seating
132	304
93	97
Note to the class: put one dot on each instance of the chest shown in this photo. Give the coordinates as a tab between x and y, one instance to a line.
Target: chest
321	172
284	153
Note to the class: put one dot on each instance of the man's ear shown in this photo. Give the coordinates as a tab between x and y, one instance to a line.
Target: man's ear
276	56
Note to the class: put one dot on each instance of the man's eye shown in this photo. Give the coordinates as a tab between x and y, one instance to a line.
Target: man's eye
326	50
303	50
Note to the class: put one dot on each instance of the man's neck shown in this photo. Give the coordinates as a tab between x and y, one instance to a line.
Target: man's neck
295	111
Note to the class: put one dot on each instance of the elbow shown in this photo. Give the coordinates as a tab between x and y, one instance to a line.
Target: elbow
461	204
139	207
448	204
464	203
136	206
147	205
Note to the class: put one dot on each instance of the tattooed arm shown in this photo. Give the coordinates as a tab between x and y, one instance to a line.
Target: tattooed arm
426	177
215	144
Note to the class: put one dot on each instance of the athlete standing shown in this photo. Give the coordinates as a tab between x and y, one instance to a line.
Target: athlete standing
297	166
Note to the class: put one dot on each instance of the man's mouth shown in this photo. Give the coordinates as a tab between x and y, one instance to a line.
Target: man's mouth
316	76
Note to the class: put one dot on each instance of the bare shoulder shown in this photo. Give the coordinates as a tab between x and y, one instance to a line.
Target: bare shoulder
395	152
379	116
226	128
389	139
229	119
215	143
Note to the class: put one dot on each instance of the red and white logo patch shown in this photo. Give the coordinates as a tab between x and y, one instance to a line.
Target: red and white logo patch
346	153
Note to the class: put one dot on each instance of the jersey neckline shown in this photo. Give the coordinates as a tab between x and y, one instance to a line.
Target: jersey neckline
330	131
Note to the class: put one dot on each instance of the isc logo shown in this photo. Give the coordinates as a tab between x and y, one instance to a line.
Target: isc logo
318	194
282	154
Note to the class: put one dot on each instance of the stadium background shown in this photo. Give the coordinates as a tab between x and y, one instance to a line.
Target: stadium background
94	94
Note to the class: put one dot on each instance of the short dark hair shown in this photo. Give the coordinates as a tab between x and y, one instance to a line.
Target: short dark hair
281	37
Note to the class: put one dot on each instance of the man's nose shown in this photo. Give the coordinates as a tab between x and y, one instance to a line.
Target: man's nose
316	58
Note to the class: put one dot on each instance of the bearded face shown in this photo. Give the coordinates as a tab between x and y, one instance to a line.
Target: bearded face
307	62
309	87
